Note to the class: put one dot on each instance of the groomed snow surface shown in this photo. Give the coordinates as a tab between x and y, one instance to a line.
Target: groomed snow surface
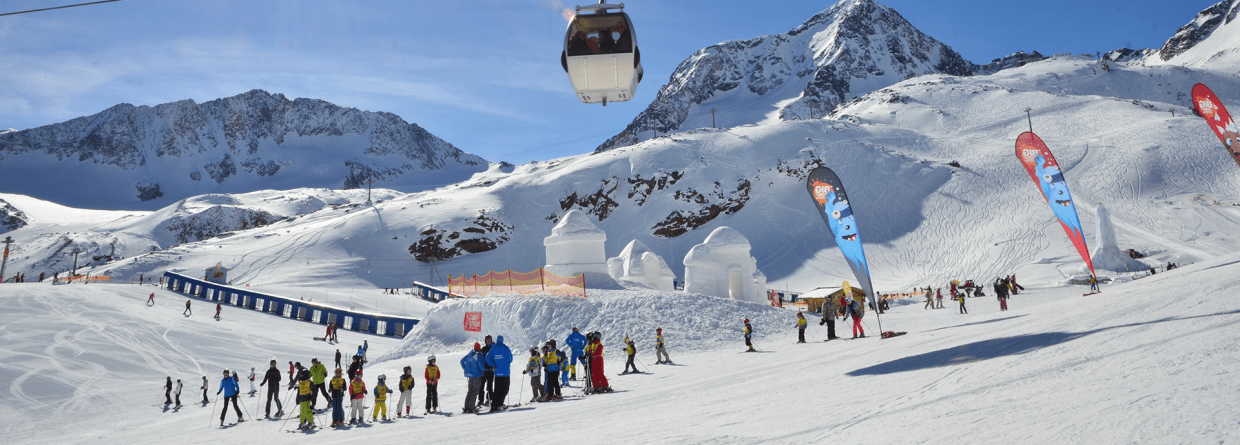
1147	361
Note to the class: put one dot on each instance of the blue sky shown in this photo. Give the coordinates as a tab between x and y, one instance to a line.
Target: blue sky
483	74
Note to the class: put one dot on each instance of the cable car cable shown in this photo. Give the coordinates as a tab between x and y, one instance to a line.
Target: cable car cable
58	7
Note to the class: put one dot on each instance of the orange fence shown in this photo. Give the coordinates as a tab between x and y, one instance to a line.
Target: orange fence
508	281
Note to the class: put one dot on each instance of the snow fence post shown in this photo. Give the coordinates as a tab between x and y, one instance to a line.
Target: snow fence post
542	280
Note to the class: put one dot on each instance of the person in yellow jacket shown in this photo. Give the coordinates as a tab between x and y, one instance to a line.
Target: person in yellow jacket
631	349
357	395
660	351
432	385
801	323
381	393
338	387
406	391
552	366
304	391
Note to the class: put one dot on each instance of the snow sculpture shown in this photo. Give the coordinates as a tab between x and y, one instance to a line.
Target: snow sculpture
1107	254
576	246
721	266
638	264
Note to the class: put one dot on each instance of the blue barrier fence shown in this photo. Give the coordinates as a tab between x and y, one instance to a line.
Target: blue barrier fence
346	319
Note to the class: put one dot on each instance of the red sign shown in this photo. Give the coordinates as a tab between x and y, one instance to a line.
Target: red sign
473	321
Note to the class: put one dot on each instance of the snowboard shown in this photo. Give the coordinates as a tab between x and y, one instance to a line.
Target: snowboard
1091	293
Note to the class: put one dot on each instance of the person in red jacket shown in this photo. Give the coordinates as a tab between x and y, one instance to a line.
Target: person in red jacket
595	350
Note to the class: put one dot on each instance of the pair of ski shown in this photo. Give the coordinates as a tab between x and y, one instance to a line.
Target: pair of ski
635	372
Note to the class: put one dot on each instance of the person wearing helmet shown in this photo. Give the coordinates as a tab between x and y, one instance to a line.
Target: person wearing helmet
432	385
381	394
406	391
228	386
630	348
534	369
205	400
305	392
553	363
749	336
595	349
318	376
273	390
660	351
338	387
355	367
801	323
499	358
253	390
357	392
577	343
471	363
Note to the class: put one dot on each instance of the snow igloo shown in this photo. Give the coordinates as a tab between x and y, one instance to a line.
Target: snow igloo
721	267
638	264
575	247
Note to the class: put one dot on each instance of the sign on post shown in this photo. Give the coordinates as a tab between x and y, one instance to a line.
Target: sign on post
473	321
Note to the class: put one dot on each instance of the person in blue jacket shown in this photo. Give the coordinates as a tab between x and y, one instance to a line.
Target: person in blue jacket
229	387
577	342
472	364
500	359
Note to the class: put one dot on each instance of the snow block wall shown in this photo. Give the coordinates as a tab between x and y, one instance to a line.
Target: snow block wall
1107	254
576	246
638	264
721	267
689	322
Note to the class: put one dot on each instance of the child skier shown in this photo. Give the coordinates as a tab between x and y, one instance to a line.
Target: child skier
406	391
253	390
205	400
534	369
187	311
338	387
748	336
631	349
304	389
150	301
960	298
660	352
432	385
552	365
357	392
856	310
218	308
801	323
381	393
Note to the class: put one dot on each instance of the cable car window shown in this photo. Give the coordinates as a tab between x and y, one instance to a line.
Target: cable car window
599	34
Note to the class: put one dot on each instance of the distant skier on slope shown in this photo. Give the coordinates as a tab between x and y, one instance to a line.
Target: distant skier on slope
660	350
187	311
177	393
749	336
168	391
938	294
960	298
631	349
205	400
218	308
150	301
801	323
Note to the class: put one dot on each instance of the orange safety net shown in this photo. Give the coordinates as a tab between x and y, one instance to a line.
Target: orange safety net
507	281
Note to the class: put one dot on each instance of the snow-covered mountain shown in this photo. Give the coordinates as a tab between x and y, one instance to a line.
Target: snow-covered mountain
1209	41
149	157
852	48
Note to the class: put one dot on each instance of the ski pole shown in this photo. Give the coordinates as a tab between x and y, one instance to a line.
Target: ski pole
247	411
212	416
643	364
286	418
520	395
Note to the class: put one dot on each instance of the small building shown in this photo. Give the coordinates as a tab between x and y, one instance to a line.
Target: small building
217	274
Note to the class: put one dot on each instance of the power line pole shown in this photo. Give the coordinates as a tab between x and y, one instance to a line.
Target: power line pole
75	253
712	118
7	240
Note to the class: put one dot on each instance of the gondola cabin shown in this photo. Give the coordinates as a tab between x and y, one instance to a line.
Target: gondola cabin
600	54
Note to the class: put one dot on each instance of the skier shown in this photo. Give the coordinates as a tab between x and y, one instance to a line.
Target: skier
253	390
748	336
470	363
338	387
318	378
660	351
595	349
563	358
801	323
939	295
187	311
327	335
304	391
150	301
856	310
356	367
357	391
1093	283
829	312
178	394
228	386
406	391
960	298
576	343
552	366
488	373
381	393
273	390
337	358
168	392
432	385
499	358
929	299
1001	292
534	369
205	401
218	308
631	350
334	329
365	348
1016	288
